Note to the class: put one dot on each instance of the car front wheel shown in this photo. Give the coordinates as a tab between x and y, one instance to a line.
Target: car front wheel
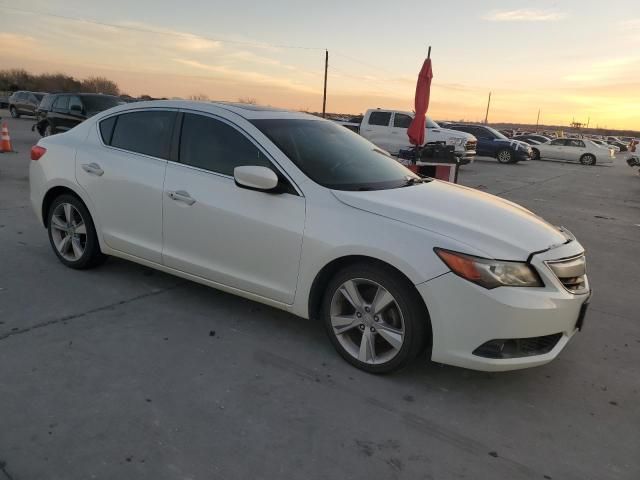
535	154
72	233
505	156
374	318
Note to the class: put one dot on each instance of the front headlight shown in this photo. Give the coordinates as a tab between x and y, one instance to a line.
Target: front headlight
490	273
456	141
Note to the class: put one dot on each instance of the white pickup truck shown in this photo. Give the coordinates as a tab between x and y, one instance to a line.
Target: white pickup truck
388	130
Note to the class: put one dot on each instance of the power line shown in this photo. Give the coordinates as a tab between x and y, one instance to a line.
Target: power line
159	32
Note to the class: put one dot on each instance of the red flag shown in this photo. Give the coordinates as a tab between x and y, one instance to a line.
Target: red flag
416	130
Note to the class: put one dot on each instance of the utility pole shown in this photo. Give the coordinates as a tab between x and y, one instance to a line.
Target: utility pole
588	120
486	117
324	96
538	120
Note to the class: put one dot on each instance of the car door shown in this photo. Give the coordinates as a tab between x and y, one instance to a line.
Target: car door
59	116
574	149
485	141
244	239
555	149
400	124
376	129
124	175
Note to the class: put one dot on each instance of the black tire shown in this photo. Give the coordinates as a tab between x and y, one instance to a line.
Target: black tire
92	256
506	155
535	155
14	113
588	159
415	318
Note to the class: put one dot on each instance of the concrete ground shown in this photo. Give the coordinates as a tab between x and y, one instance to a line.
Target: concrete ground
124	372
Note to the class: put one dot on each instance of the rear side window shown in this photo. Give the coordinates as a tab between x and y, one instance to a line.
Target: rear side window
106	129
215	146
380	118
401	120
146	132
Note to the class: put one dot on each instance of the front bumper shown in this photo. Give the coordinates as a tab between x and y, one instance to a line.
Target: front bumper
523	155
465	316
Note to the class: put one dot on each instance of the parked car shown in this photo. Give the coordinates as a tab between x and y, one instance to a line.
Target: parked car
573	150
304	215
60	112
604	144
532	139
388	130
622	147
491	143
24	103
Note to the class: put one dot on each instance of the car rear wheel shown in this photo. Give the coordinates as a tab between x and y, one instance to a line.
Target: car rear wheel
374	318
14	112
72	234
588	159
505	156
535	154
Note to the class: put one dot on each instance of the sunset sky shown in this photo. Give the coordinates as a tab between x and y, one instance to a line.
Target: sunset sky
567	58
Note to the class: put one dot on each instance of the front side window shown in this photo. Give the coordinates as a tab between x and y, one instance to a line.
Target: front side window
146	132
75	104
401	120
213	145
61	104
380	118
334	156
559	142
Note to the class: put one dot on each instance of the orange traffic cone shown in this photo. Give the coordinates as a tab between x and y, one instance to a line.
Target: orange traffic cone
5	139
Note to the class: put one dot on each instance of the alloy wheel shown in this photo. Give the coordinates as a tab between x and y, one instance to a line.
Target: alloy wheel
367	321
504	156
69	232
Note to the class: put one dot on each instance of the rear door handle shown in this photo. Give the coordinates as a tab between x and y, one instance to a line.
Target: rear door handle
181	196
93	169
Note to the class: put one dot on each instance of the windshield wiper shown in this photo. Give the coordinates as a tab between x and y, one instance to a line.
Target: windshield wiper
412	181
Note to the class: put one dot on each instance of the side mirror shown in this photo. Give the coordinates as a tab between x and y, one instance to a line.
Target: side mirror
254	177
77	109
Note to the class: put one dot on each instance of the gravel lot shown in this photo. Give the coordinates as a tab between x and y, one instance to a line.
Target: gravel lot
125	372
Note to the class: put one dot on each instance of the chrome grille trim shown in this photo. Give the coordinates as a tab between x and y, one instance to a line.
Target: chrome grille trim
572	273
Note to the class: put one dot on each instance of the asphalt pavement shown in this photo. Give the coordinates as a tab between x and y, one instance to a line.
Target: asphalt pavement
125	372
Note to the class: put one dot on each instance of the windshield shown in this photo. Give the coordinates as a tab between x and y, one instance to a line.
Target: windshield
431	123
98	103
497	133
333	156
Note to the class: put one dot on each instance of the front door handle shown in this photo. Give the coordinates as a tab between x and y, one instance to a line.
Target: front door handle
181	196
93	169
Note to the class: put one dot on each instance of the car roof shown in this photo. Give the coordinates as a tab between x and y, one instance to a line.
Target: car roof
247	111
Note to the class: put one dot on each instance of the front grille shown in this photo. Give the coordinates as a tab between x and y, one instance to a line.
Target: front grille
572	273
518	347
470	145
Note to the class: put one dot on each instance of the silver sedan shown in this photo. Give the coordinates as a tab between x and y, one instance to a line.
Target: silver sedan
573	150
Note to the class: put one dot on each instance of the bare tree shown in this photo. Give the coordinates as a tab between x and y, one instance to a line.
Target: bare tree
100	85
248	100
199	97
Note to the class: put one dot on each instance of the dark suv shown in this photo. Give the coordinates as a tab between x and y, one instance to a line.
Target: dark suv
492	143
59	112
24	103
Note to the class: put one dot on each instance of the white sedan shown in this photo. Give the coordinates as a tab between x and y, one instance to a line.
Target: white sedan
580	150
304	215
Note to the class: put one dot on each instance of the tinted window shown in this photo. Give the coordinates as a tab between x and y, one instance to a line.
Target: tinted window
75	101
213	145
47	101
401	120
575	143
106	129
558	142
99	103
61	103
144	132
380	118
334	156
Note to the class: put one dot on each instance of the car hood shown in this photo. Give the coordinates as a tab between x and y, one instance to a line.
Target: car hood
454	133
490	225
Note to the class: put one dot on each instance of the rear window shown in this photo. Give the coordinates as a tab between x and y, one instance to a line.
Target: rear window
99	103
147	132
106	129
380	118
